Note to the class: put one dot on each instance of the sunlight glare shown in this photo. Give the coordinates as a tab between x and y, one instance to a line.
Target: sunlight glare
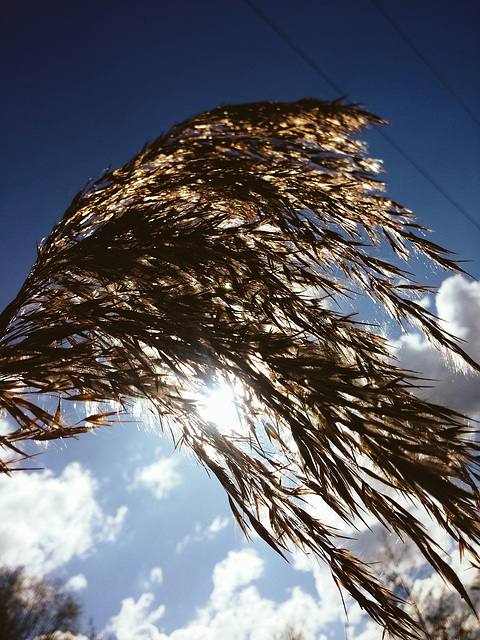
220	408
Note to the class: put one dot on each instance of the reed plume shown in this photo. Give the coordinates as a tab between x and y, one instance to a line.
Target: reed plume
220	255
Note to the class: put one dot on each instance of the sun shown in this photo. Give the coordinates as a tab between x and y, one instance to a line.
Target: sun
220	407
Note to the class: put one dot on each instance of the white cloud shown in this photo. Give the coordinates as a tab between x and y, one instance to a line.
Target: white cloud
77	583
372	631
47	519
159	477
248	616
5	426
155	577
135	621
239	568
458	306
219	523
330	606
7	455
234	611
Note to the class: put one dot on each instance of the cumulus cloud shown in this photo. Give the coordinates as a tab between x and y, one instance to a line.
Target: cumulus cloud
135	620
47	519
155	577
458	306
219	523
160	477
239	568
235	609
77	583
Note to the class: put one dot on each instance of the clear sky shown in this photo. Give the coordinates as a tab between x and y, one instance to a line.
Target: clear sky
83	86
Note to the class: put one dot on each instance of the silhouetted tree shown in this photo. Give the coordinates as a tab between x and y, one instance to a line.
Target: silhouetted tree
31	606
220	255
289	633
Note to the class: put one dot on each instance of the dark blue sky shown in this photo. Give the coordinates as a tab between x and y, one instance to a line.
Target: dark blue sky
85	84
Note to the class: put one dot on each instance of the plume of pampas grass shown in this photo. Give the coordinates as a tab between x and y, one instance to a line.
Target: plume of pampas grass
216	256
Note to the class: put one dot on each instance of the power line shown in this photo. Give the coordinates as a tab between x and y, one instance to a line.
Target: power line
428	64
312	64
292	44
431	180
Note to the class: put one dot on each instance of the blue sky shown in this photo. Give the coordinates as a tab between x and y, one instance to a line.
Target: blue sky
84	86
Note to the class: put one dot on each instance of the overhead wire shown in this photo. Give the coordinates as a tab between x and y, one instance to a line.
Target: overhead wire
316	67
292	44
427	63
